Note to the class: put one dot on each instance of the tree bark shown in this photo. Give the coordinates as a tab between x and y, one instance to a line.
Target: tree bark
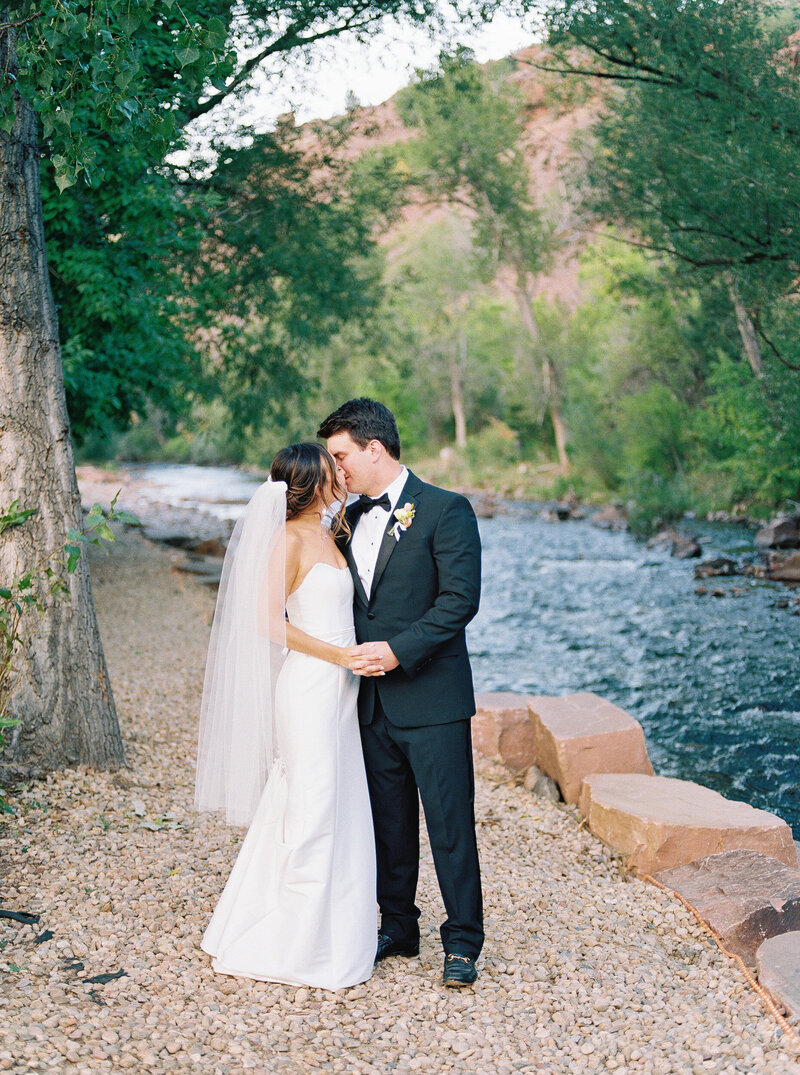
549	379
747	332
63	695
457	364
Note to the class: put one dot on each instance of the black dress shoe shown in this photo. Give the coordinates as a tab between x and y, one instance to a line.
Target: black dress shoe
458	970
387	946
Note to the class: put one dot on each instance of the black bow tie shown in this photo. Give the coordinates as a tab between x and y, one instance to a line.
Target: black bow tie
367	503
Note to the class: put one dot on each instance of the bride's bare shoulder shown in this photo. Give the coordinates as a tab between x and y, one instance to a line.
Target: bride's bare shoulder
295	538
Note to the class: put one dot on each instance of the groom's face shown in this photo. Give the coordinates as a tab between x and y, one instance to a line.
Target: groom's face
357	463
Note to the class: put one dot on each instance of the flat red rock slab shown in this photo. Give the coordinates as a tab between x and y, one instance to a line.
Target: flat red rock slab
502	729
581	734
778	963
659	822
744	896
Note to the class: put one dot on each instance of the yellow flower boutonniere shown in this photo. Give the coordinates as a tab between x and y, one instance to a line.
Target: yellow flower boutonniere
405	517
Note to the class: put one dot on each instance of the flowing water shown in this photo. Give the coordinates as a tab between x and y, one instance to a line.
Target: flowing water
714	681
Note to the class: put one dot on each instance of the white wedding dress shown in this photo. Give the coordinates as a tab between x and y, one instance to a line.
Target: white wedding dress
300	904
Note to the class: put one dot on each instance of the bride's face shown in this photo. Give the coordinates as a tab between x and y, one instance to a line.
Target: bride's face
334	490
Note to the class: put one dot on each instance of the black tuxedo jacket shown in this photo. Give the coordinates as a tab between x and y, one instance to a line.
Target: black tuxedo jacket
425	590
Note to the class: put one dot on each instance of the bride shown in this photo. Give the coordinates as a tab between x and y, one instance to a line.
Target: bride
279	740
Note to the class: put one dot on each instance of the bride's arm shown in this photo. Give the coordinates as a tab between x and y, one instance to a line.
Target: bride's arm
358	659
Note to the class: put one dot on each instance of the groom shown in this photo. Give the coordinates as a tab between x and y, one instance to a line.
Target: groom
415	559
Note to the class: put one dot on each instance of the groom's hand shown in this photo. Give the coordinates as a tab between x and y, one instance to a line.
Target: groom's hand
364	660
384	653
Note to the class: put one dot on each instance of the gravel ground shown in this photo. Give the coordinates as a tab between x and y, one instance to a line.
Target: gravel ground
585	969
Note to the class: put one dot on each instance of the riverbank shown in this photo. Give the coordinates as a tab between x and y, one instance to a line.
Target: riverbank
568	606
585	969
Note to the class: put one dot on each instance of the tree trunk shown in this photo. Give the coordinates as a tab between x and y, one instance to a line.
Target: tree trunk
63	696
549	379
747	331
457	364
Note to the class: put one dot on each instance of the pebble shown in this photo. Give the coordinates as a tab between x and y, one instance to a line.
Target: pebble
585	969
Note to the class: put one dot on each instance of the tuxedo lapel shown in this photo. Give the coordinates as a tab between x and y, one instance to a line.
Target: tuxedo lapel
411	491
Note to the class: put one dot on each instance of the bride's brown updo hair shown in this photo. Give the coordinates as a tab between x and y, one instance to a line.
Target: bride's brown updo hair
307	468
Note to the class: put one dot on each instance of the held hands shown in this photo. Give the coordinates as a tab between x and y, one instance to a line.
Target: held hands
369	659
363	660
384	652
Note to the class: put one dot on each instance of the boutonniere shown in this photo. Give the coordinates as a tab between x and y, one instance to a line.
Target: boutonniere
405	517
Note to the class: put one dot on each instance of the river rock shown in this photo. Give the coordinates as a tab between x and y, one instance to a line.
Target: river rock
721	565
781	533
209	547
785	568
682	546
685	547
663	539
545	788
207	571
483	504
609	518
580	734
174	538
558	513
502	729
743	896
532	774
540	785
778	963
660	822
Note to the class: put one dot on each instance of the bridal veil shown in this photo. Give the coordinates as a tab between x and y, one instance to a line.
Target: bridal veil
237	736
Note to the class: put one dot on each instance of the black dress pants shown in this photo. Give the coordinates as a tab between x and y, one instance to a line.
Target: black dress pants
437	760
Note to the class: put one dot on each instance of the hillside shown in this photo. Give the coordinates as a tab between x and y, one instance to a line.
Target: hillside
558	115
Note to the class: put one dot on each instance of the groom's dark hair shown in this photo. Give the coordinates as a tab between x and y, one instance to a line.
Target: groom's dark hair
365	420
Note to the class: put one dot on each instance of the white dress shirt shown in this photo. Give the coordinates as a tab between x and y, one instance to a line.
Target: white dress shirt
369	531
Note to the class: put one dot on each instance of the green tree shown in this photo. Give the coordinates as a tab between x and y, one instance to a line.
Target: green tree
439	284
468	153
698	148
85	76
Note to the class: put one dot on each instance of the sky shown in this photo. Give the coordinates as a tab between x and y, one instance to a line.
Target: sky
372	70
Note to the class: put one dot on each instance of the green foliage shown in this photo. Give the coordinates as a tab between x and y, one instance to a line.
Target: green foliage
116	86
654	501
14	516
700	152
305	263
83	64
124	327
652	427
228	304
697	153
749	436
497	445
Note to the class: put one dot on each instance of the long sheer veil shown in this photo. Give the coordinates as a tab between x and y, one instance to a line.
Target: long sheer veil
237	744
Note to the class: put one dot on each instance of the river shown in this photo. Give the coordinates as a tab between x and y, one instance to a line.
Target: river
714	681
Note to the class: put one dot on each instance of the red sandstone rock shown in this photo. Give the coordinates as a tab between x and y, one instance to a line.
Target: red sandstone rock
781	533
502	729
659	822
210	547
609	518
785	569
744	897
581	734
778	962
